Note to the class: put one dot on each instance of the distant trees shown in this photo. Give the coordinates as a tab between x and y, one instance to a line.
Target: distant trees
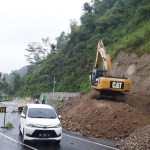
16	82
3	83
14	86
1	78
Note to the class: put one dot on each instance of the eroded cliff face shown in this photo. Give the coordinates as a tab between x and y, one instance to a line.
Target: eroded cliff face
137	69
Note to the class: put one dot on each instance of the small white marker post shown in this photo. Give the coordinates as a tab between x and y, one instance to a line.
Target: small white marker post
3	110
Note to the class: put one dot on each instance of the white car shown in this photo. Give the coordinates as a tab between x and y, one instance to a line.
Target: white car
40	122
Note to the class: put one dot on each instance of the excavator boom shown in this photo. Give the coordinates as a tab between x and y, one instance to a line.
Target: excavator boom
102	53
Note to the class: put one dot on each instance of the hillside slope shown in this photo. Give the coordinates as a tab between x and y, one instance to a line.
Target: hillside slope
137	69
120	24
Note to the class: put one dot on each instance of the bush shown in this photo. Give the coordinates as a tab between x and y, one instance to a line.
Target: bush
9	125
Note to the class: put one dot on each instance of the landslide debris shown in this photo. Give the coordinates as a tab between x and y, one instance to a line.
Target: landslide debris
139	140
101	118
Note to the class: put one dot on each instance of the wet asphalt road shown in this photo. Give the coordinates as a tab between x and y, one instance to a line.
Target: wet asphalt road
11	140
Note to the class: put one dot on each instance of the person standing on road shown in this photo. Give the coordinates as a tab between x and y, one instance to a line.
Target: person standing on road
43	99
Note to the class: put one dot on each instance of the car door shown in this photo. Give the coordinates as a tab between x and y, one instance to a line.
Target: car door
23	118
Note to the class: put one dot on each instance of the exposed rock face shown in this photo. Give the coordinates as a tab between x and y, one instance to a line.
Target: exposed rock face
137	69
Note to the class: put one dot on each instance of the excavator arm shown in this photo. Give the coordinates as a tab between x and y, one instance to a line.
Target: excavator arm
102	53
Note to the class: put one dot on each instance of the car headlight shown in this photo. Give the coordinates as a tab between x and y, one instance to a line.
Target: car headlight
30	125
58	125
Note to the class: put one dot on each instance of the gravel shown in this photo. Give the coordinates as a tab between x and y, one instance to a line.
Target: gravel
139	140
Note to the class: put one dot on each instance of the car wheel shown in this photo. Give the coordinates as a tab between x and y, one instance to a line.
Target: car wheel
20	130
58	142
23	140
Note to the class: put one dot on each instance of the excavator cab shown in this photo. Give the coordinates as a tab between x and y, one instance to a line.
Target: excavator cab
95	74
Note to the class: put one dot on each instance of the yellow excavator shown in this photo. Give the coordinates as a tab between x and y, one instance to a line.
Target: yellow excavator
103	83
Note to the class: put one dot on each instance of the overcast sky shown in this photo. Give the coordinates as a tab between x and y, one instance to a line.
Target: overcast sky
24	21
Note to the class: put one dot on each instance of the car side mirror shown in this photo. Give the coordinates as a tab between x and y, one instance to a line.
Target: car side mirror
59	116
23	116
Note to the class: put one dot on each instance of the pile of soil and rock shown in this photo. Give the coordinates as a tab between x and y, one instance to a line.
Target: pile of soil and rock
101	118
138	140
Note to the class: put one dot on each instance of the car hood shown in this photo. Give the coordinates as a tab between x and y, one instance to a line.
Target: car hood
43	122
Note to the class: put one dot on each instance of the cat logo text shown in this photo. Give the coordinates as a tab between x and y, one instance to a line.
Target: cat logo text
117	85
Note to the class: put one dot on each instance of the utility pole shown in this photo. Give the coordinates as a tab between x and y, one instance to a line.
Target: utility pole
54	86
54	81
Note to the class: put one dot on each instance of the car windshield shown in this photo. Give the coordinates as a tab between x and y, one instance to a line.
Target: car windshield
41	113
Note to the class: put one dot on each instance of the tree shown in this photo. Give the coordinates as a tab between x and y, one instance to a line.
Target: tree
47	45
61	41
88	20
36	53
3	83
87	7
53	50
73	25
101	6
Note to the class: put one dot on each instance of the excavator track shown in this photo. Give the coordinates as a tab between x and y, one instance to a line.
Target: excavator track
96	94
120	97
116	96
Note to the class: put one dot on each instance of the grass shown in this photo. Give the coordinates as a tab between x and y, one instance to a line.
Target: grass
55	101
9	125
3	99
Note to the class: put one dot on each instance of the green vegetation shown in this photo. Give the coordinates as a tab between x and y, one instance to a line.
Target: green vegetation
9	125
2	99
121	24
55	101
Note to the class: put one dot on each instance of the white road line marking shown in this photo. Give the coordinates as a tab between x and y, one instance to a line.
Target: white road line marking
18	142
90	142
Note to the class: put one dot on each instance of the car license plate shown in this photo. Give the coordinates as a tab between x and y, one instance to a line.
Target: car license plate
44	135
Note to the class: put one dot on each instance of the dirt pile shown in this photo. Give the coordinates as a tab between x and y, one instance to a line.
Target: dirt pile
101	118
138	140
